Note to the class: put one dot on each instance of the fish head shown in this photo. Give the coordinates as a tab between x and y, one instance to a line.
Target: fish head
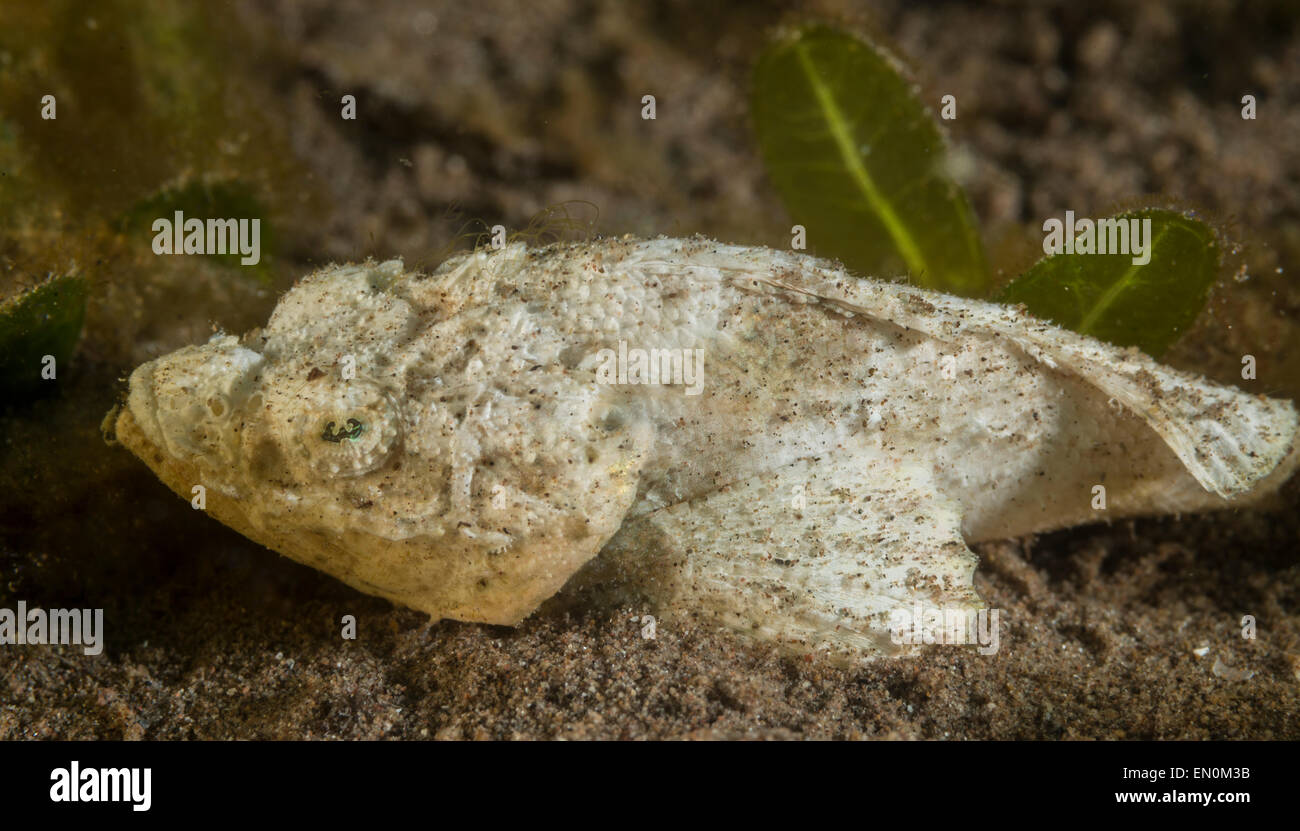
303	401
408	451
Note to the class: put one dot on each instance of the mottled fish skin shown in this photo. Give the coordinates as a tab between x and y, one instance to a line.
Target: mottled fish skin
491	463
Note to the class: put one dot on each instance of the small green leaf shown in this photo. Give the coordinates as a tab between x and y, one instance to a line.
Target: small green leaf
44	321
860	163
1114	299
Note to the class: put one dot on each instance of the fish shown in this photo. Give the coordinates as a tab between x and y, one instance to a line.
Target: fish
475	441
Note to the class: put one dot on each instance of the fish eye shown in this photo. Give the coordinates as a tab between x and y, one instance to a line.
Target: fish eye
353	432
341	428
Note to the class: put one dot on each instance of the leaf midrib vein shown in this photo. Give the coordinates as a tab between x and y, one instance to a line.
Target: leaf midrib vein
843	138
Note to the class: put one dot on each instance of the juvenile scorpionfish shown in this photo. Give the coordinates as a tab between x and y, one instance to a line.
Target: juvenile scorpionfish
465	442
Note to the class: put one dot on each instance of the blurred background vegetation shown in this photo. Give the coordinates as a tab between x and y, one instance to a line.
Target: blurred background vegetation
499	116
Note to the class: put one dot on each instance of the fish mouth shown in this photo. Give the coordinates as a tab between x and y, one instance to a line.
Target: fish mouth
120	426
126	431
186	402
130	429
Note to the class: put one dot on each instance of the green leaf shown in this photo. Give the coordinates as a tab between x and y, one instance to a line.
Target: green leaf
1111	298
860	163
44	321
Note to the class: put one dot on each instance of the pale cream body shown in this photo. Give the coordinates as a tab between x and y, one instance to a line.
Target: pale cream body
873	426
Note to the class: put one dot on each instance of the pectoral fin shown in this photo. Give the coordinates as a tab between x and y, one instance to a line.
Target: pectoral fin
1234	444
1231	442
816	556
